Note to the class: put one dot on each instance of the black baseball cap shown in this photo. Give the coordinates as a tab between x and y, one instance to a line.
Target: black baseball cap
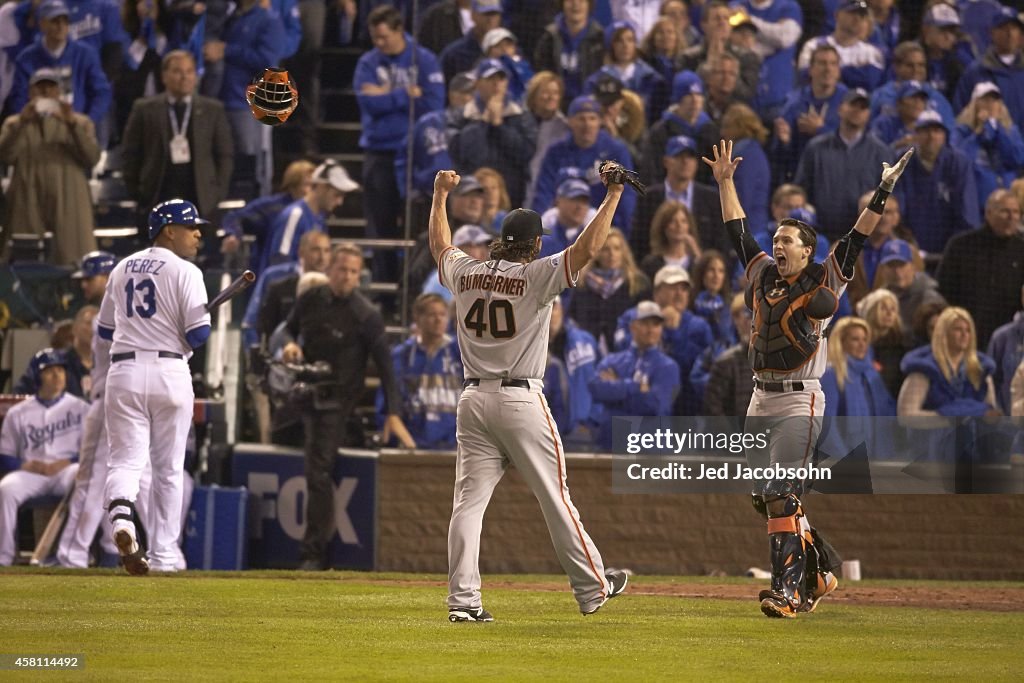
521	225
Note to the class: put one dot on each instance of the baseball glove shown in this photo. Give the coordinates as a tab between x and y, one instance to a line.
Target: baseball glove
614	172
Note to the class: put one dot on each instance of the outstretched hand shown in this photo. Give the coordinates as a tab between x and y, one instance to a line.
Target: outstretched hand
890	174
724	166
446	181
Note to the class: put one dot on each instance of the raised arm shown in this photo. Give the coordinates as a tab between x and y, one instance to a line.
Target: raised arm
439	231
593	237
848	248
723	168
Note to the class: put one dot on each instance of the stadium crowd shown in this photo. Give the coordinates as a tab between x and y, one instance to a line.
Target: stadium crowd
524	98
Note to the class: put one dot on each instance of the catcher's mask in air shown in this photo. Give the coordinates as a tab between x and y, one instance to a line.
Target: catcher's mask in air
272	96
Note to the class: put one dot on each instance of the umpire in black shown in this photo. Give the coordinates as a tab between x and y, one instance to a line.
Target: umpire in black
337	324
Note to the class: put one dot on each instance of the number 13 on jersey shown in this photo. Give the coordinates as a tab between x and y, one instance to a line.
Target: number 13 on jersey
146	290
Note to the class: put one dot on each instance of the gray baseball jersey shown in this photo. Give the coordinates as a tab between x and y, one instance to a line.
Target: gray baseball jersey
504	311
815	367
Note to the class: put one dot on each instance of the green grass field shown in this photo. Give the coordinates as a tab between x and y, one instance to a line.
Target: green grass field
346	625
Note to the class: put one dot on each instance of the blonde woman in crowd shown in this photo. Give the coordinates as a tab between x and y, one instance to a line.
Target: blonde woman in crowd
610	284
544	95
496	199
881	310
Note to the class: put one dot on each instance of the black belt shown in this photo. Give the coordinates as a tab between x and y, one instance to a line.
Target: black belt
778	387
130	355
517	383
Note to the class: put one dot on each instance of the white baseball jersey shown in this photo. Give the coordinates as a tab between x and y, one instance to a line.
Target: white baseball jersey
153	299
34	431
503	311
815	367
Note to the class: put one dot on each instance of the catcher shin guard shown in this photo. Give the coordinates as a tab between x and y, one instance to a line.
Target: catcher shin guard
272	96
788	539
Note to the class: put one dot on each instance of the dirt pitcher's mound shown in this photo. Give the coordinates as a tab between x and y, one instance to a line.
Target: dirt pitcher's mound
997	599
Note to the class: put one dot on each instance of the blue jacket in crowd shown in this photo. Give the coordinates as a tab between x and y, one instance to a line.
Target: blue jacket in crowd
645	82
581	358
507	148
251	320
623	397
430	388
565	160
957	398
556	393
940	204
777	73
1006	347
294	221
1010	80
288	12
997	153
862	399
800	102
256	218
254	40
883	102
385	118
753	180
79	67
684	344
429	151
93	22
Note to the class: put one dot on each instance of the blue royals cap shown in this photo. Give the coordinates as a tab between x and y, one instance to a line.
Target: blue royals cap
584	104
46	358
490	67
853	6
686	83
50	9
941	15
930	117
1005	15
804	215
573	188
896	250
487	6
912	88
95	263
173	212
615	27
680	144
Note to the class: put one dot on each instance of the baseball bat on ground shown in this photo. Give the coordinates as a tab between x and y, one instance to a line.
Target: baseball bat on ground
241	283
48	539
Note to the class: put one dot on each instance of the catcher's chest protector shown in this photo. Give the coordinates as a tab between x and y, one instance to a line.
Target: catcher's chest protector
786	329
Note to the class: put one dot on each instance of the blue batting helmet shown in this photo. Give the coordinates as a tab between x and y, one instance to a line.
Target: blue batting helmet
173	212
95	263
45	358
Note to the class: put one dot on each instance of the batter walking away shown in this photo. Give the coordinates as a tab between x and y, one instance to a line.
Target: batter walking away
793	300
154	311
503	309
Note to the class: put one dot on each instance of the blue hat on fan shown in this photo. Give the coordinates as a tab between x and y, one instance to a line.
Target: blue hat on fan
50	9
680	144
615	27
173	212
896	250
804	215
686	83
584	104
95	263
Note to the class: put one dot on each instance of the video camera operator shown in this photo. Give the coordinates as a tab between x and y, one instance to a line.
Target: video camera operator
337	324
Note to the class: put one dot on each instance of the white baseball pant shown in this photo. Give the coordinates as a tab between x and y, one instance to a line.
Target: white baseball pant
17	488
149	411
794	418
497	426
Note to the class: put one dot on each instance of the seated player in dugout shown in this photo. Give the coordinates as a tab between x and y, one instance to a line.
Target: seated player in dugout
793	299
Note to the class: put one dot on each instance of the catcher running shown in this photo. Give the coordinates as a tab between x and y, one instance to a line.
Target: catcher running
793	300
503	309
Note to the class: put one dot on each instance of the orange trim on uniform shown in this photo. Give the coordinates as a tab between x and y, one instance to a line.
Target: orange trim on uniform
839	271
810	431
752	262
440	275
568	275
561	489
783	525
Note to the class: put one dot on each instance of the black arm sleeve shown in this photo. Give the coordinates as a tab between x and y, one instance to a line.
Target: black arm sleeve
742	241
847	250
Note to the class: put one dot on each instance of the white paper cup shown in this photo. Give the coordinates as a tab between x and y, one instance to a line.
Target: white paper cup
851	570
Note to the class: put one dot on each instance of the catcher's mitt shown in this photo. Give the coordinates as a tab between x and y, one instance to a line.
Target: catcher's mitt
614	172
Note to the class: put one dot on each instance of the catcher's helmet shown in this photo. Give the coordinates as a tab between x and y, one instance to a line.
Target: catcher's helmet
95	263
272	96
173	211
